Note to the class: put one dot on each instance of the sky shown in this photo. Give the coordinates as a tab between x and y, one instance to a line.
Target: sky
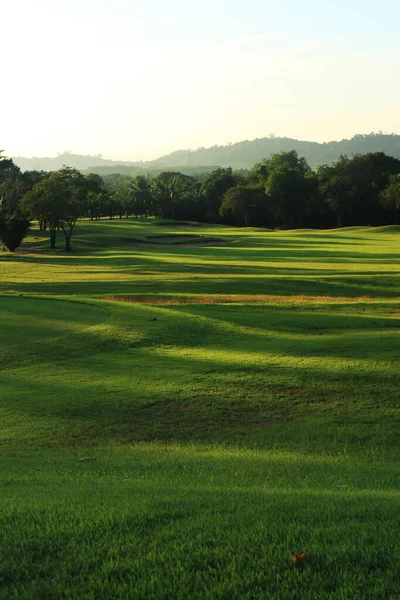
134	80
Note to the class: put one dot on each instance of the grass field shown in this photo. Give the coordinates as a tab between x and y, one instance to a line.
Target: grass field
234	405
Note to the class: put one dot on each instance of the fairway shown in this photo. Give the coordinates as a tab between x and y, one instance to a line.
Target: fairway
185	407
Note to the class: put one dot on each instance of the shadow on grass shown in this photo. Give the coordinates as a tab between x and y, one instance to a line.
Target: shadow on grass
177	283
262	379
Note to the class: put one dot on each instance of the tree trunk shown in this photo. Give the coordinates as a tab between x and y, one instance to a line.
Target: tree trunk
68	234
68	241
53	234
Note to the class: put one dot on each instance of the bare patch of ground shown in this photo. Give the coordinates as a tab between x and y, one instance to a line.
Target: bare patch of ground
237	298
295	392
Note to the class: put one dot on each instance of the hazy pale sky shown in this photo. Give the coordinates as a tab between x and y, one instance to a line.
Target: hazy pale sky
136	79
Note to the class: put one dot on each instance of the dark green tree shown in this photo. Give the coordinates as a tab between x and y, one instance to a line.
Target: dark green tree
45	203
390	196
213	189
287	187
141	195
73	187
14	223
60	200
13	229
243	205
118	199
172	192
95	195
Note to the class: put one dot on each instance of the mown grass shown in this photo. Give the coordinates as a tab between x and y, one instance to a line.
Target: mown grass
232	415
349	262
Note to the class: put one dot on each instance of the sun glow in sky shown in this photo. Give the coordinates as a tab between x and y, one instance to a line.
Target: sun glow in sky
135	80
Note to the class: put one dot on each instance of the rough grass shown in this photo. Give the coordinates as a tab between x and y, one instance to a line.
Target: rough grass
232	415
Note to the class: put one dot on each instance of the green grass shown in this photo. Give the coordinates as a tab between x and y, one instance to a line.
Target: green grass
240	406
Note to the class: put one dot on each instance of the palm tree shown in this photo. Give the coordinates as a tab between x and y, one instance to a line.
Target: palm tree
141	194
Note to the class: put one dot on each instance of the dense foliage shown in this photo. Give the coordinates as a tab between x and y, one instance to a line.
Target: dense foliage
13	221
281	191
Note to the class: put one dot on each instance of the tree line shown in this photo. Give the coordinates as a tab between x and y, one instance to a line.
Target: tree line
281	191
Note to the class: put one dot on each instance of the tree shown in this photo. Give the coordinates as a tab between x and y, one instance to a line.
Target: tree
390	196
12	189
59	200
181	189
371	174
13	222
288	160
351	187
243	204
287	187
45	202
214	187
316	211
172	194
258	175
95	194
141	196
337	186
6	164
30	179
73	187
117	198
13	230
161	194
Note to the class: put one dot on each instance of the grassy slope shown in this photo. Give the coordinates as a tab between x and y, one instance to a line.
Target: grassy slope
226	436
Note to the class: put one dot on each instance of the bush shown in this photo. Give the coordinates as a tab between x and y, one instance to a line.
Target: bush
12	231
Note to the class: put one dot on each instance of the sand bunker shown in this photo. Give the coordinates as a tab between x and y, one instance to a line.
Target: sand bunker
180	224
181	241
174	238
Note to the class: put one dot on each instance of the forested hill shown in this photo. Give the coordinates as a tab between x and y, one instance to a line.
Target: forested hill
240	155
245	154
77	161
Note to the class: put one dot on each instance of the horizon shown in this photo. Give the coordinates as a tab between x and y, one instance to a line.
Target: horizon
137	82
103	156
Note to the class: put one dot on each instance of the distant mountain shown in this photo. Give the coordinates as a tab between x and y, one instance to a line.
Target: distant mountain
78	161
193	170
245	154
241	155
